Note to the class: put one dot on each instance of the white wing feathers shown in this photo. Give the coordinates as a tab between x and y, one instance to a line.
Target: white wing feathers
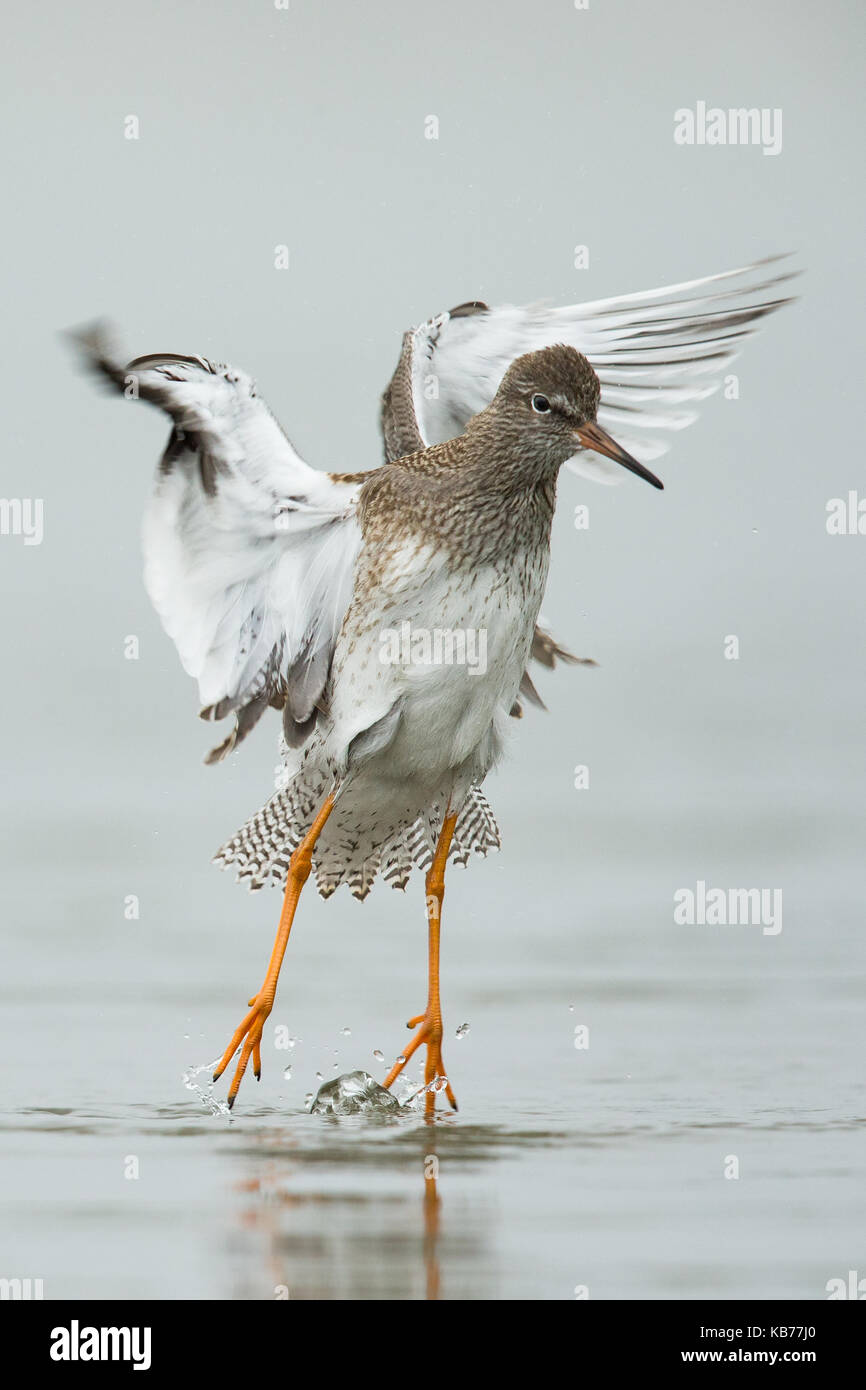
249	552
658	354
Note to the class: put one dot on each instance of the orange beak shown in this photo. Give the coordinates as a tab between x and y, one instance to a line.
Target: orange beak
592	436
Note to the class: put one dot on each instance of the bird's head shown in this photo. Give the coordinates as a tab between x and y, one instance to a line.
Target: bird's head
548	403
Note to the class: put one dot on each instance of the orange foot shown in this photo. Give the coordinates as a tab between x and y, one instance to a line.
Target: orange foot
250	1034
429	1032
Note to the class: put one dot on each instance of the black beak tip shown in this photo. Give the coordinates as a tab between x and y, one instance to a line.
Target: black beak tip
645	474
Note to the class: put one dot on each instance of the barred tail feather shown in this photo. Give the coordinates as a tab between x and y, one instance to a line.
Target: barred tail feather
260	851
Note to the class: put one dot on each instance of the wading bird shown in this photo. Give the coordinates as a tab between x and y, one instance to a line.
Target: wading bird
277	582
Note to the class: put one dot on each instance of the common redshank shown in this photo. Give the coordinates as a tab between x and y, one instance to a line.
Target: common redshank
280	584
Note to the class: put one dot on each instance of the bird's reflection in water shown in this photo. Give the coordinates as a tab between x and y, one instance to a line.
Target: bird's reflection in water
354	1229
432	1202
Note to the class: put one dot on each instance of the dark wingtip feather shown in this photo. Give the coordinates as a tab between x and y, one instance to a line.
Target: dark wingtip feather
296	732
547	651
246	720
527	689
97	350
223	749
467	309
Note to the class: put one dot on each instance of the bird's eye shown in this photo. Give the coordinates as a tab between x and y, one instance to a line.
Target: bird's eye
540	404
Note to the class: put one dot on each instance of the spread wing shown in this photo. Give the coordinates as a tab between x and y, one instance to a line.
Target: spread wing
249	553
658	355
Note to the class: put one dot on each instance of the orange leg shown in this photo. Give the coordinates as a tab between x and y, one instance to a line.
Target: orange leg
250	1031
430	1031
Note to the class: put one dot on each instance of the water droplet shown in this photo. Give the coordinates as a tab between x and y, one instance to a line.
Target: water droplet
380	1056
308	1099
319	1076
346	1032
293	1041
462	1030
287	1074
400	1060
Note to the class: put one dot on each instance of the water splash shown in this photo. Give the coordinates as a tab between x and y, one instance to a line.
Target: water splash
206	1096
354	1093
412	1096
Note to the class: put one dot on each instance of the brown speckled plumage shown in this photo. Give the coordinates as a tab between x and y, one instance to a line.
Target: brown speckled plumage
475	515
401	436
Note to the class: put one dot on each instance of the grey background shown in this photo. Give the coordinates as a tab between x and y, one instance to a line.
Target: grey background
603	1167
